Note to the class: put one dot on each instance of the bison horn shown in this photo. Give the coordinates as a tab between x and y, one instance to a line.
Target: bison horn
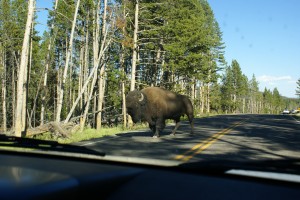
142	97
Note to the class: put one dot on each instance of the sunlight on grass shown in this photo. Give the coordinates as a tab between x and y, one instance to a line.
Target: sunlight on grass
90	133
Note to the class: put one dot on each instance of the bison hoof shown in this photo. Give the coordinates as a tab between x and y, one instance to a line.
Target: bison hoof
155	136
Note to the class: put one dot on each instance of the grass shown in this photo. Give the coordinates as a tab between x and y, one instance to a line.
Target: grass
89	133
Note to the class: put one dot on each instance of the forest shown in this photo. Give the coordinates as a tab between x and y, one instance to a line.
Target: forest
95	51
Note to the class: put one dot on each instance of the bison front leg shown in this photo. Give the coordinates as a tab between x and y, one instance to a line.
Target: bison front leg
160	125
176	127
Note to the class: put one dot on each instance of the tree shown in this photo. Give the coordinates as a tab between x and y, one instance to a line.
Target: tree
135	46
298	88
226	90
47	63
22	87
68	55
267	101
253	95
238	85
277	100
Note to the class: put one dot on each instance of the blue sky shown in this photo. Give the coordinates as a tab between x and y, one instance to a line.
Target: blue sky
262	35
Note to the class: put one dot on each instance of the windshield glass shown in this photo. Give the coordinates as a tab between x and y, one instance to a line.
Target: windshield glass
178	81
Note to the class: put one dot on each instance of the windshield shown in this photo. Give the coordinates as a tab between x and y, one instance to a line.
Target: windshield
164	81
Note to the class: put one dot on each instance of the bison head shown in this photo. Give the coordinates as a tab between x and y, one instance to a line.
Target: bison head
135	103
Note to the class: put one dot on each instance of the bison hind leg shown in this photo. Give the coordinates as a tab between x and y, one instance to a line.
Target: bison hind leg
154	130
192	126
177	121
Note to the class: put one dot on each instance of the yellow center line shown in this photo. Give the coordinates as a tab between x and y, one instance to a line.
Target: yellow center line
198	148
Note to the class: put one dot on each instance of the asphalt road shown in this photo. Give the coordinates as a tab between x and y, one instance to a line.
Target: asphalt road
238	137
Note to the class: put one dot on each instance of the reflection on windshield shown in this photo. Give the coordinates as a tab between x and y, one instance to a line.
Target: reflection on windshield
14	176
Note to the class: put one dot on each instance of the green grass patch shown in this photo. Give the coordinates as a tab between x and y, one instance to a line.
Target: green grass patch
89	133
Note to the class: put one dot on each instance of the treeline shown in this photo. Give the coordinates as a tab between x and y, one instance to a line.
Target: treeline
95	51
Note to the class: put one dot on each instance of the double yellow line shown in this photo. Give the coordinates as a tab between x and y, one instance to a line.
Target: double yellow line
198	148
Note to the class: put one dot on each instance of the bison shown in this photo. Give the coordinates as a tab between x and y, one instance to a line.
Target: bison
154	105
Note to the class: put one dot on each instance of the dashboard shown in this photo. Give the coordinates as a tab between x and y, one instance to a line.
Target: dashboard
39	176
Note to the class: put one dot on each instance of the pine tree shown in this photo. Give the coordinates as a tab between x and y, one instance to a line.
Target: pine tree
298	88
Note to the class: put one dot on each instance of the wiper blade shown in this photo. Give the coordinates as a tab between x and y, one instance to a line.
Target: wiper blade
48	145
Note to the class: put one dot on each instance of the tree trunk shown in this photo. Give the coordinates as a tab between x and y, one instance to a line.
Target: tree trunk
98	55
96	32
3	64
101	80
32	112
51	39
134	51
68	55
87	105
244	102
19	128
208	99
101	97
122	63
193	91
86	65
134	54
202	98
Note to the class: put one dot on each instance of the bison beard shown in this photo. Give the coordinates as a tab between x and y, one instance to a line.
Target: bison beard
154	105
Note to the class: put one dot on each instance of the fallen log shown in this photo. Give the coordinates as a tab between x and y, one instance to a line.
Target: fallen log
61	129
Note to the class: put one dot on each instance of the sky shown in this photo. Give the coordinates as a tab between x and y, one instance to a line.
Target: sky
263	36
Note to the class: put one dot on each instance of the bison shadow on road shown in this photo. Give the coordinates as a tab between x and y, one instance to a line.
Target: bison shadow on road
183	129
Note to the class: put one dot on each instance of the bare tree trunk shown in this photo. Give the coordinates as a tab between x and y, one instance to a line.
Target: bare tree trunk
134	51
208	99
101	80
193	91
87	105
69	103
86	64
101	97
94	111
157	65
244	102
29	119
13	96
202	98
3	65
94	70
68	55
98	56
19	128
96	32
124	103
51	39
122	63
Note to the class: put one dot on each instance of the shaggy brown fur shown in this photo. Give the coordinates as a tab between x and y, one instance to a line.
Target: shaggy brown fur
154	105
